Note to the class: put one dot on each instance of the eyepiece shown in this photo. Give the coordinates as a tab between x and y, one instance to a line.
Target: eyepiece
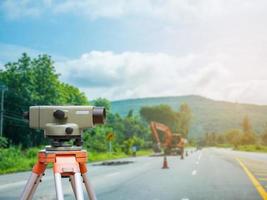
99	115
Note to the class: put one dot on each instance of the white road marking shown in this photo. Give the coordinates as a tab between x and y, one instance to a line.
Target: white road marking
184	199
199	156
194	172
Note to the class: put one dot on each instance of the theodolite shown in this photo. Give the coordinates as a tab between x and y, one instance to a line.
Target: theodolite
62	124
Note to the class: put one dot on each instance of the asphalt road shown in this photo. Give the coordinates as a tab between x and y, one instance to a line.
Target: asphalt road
208	174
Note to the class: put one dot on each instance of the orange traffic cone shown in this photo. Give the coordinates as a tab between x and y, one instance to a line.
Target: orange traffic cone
165	163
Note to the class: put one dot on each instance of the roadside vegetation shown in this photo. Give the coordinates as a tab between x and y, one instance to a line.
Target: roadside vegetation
252	148
34	81
243	139
15	159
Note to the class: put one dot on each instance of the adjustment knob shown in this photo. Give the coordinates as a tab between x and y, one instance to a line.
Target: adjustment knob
69	130
59	114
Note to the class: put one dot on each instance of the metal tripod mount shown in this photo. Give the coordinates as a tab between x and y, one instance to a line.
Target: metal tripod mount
66	164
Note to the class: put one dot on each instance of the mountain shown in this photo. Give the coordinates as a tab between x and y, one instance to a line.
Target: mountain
208	115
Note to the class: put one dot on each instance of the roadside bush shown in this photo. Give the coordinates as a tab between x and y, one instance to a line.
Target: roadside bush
14	159
252	148
32	152
134	141
3	142
264	138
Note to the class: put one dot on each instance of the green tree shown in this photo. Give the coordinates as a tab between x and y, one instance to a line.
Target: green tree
246	125
32	82
130	113
3	142
248	136
233	137
72	95
210	139
130	142
177	121
220	139
185	116
45	86
95	139
162	113
264	135
103	102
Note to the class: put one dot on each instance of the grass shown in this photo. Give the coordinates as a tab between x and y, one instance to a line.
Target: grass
252	148
224	145
95	156
16	160
247	148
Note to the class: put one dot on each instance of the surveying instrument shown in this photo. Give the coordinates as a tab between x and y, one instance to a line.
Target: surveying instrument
63	124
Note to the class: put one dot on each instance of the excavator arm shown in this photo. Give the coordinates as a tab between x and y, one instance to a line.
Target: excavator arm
155	127
172	142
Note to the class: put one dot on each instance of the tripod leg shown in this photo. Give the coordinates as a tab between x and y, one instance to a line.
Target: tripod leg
34	180
58	184
89	188
73	185
78	186
27	192
38	180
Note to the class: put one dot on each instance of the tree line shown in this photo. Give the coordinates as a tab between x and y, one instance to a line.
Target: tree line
178	121
34	81
128	131
245	135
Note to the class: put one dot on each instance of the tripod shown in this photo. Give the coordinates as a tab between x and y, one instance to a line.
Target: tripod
66	164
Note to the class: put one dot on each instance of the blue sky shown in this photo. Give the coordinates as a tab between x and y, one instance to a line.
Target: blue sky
142	48
66	35
71	34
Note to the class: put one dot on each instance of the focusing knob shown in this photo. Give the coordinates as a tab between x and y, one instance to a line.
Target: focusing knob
59	114
69	130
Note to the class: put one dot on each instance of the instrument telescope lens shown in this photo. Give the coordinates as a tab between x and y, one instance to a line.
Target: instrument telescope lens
99	115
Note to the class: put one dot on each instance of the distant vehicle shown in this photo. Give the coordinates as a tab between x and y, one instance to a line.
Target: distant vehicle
172	143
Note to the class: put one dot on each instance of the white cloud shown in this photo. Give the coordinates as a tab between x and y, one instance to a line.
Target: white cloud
226	75
129	74
93	9
23	8
252	91
216	48
133	74
168	10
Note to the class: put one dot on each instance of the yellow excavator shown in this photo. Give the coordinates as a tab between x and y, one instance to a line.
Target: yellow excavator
172	144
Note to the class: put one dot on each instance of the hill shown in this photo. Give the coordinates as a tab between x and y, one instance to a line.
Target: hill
208	115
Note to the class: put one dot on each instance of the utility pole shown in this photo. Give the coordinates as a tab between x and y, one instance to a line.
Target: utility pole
3	89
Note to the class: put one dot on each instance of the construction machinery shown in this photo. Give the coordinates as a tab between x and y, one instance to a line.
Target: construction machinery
171	143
